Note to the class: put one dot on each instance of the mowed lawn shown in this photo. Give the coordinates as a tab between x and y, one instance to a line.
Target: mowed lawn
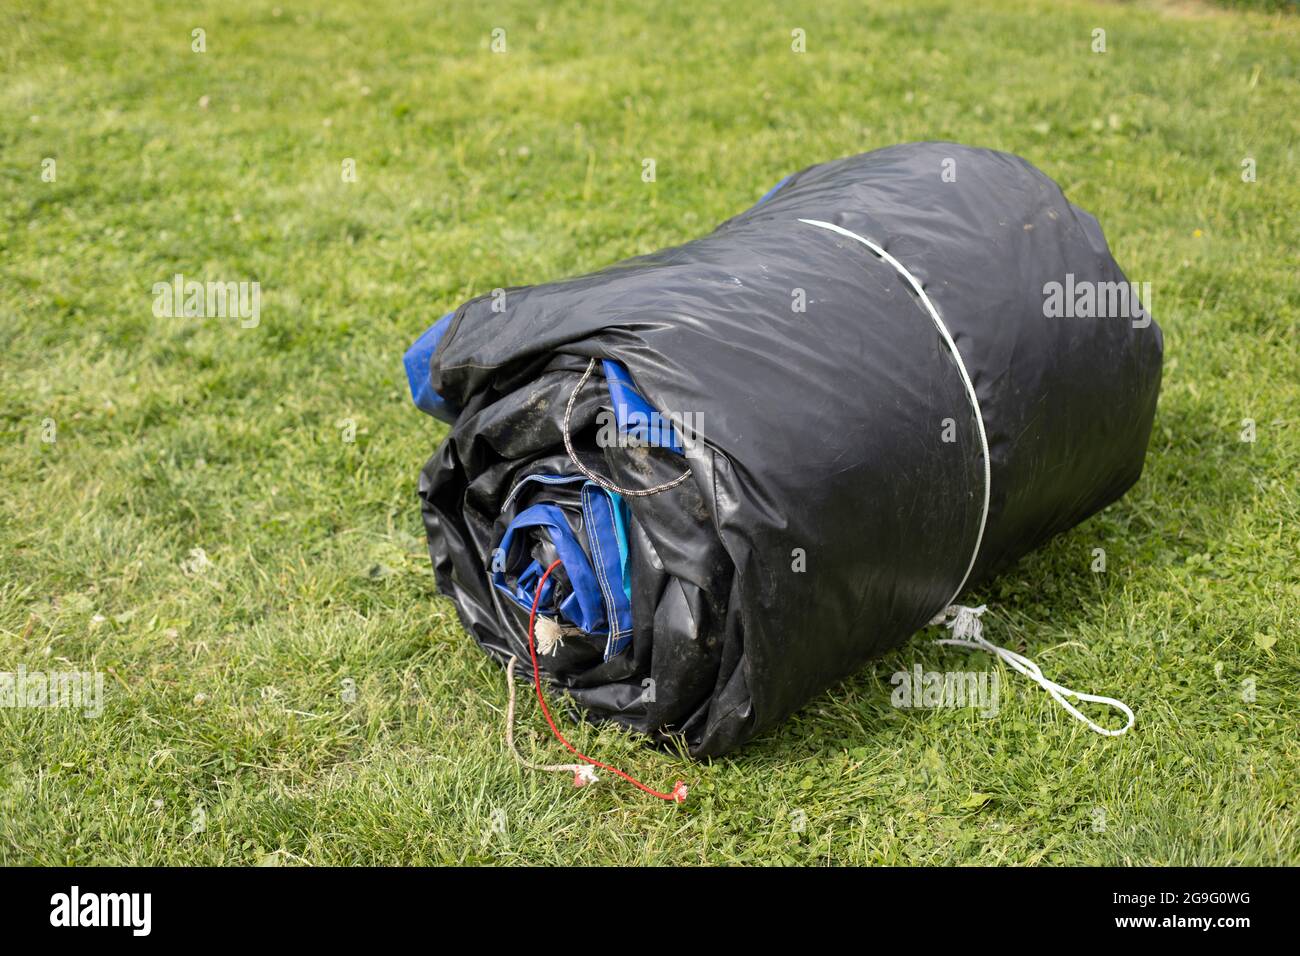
223	521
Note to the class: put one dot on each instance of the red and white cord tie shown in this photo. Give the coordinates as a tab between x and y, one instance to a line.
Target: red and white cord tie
583	773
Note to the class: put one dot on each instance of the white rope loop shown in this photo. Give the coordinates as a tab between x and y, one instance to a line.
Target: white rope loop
603	482
968	631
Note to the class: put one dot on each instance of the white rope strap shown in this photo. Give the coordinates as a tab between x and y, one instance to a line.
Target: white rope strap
582	773
961	369
603	482
968	631
965	623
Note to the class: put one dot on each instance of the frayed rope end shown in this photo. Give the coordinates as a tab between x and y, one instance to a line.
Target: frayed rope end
965	621
550	636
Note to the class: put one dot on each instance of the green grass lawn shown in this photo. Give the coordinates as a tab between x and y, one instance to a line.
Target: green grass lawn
229	732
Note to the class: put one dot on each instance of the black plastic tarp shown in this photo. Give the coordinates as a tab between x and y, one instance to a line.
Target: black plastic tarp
834	351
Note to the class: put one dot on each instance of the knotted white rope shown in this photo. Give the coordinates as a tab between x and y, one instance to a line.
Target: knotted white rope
968	631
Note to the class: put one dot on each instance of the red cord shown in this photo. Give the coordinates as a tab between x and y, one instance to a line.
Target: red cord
678	794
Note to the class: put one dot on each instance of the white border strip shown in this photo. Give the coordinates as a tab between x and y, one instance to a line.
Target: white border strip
961	367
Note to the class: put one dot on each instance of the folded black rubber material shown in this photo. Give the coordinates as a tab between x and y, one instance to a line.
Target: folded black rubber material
837	480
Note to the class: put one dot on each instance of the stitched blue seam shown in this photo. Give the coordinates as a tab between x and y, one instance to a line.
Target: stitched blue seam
611	615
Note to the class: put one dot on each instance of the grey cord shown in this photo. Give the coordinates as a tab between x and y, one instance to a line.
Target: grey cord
604	483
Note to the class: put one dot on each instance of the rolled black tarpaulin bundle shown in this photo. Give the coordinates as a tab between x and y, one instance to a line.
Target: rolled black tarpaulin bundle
893	376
